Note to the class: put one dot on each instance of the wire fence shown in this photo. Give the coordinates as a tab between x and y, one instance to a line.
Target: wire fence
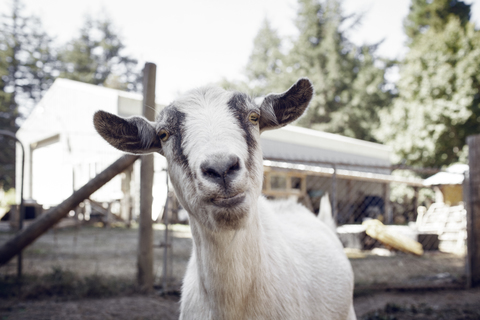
382	219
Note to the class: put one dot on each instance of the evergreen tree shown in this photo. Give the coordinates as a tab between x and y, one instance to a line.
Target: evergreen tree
439	96
265	63
8	115
433	14
27	69
96	57
265	66
349	83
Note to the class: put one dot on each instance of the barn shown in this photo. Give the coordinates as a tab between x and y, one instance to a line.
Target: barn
63	150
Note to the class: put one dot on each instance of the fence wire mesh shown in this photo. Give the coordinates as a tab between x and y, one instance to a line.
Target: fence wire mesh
352	195
411	216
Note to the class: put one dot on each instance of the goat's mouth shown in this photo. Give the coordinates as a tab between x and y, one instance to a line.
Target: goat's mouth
228	202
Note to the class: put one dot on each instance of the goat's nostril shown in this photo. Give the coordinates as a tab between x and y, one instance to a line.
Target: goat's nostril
221	170
211	173
234	167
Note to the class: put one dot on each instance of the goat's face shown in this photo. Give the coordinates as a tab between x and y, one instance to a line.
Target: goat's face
211	140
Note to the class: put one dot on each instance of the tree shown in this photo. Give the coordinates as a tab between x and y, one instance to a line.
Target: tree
8	115
439	96
264	69
96	57
349	81
427	14
265	63
27	69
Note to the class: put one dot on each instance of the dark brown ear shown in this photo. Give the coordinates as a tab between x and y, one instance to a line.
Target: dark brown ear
280	109
133	135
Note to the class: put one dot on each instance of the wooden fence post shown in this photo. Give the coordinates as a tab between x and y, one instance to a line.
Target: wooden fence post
145	241
473	212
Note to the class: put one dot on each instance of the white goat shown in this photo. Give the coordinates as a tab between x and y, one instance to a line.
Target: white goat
251	259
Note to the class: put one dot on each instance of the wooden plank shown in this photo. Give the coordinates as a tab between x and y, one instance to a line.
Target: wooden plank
378	231
51	217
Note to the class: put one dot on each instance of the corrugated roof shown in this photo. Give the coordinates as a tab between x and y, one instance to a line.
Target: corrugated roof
300	144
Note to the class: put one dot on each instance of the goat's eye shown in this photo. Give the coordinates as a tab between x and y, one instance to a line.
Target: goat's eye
163	135
254	117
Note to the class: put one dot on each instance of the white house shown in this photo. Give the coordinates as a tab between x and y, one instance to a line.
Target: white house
63	150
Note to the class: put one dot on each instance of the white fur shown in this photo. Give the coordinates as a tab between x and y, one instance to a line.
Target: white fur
251	258
283	265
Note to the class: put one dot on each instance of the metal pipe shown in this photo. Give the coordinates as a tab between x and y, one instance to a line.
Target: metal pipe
21	209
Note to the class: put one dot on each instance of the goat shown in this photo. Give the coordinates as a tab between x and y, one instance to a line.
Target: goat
251	259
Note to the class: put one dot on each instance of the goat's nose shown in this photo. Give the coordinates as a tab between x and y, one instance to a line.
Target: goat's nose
221	170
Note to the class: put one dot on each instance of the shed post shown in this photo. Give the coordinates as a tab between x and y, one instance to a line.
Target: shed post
166	242
145	241
387	204
473	212
415	204
334	194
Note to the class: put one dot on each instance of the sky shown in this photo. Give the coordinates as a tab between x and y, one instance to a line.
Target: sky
195	42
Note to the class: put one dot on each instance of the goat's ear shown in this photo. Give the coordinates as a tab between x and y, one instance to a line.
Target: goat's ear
133	135
279	109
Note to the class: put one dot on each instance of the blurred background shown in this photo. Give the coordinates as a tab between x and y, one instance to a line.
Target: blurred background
397	93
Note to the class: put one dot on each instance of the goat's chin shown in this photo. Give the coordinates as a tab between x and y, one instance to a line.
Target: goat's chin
227	212
231	218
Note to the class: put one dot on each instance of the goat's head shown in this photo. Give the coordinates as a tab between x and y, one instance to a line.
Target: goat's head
211	139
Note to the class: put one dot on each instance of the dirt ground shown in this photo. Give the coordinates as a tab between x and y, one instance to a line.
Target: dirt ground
445	304
96	253
438	304
102	251
112	252
119	308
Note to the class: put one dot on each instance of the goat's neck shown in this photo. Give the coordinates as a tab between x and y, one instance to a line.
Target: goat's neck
229	264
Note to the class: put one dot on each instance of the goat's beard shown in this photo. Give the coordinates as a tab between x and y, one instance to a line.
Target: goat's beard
216	218
219	219
230	218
